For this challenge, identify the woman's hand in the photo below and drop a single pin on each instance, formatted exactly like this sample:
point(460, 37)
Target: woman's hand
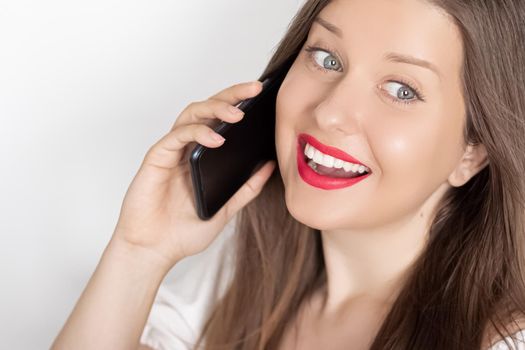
point(158, 215)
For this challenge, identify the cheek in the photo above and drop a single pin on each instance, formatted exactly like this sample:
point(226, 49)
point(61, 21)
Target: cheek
point(418, 153)
point(284, 110)
point(292, 106)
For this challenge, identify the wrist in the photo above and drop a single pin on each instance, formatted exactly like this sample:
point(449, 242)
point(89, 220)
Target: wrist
point(137, 257)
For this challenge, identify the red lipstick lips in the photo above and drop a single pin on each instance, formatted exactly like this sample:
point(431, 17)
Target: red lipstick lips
point(317, 180)
point(331, 151)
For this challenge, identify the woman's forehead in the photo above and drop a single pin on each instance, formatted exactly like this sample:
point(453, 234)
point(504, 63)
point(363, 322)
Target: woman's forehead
point(390, 30)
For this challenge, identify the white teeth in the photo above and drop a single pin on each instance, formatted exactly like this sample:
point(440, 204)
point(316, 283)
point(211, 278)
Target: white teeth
point(331, 162)
point(338, 164)
point(318, 157)
point(328, 161)
point(310, 151)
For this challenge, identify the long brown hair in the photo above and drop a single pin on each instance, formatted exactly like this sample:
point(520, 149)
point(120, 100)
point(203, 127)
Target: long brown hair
point(470, 276)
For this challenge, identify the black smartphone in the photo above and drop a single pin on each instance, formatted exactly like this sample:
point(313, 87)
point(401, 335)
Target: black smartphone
point(217, 173)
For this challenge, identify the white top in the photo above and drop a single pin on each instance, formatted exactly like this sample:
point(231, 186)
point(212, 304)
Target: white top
point(520, 335)
point(185, 298)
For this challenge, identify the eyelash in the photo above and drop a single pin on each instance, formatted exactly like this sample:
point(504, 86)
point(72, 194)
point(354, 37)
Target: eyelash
point(312, 49)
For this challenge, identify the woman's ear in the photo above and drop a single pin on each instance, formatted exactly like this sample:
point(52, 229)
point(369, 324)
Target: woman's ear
point(474, 159)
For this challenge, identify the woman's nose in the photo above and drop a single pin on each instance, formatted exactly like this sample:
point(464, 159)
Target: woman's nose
point(343, 107)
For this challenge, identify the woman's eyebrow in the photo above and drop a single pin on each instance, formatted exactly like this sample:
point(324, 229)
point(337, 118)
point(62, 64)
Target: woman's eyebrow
point(389, 56)
point(397, 57)
point(329, 26)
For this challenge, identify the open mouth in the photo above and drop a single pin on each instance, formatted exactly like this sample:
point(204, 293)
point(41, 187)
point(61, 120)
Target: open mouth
point(328, 165)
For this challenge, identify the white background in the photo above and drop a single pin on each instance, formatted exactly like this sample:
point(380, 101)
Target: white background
point(86, 87)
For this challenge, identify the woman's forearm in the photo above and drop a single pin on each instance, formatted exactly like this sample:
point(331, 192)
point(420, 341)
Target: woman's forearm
point(114, 306)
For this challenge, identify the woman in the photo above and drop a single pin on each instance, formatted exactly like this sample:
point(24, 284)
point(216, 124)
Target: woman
point(424, 251)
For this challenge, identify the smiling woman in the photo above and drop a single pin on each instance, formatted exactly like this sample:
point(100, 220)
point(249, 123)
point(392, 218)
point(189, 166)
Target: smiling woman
point(426, 251)
point(395, 219)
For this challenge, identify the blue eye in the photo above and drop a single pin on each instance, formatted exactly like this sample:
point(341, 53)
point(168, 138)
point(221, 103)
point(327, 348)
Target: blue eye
point(403, 93)
point(323, 59)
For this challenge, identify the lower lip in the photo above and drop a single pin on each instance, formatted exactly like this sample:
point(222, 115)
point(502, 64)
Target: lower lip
point(324, 182)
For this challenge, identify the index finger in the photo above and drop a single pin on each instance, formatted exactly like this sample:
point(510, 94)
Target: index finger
point(238, 92)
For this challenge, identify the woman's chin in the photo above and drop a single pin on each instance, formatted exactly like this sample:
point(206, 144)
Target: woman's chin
point(313, 216)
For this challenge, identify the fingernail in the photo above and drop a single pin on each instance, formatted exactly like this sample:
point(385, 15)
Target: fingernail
point(217, 137)
point(258, 84)
point(235, 110)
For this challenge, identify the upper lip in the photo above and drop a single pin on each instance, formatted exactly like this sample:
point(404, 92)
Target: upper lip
point(330, 150)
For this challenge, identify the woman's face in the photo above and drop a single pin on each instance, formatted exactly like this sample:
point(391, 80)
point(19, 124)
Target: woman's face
point(353, 94)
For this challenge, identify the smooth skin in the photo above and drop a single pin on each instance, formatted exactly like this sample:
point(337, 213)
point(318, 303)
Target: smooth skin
point(157, 227)
point(350, 97)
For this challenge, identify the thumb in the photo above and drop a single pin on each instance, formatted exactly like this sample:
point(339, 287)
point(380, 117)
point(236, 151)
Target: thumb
point(249, 190)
